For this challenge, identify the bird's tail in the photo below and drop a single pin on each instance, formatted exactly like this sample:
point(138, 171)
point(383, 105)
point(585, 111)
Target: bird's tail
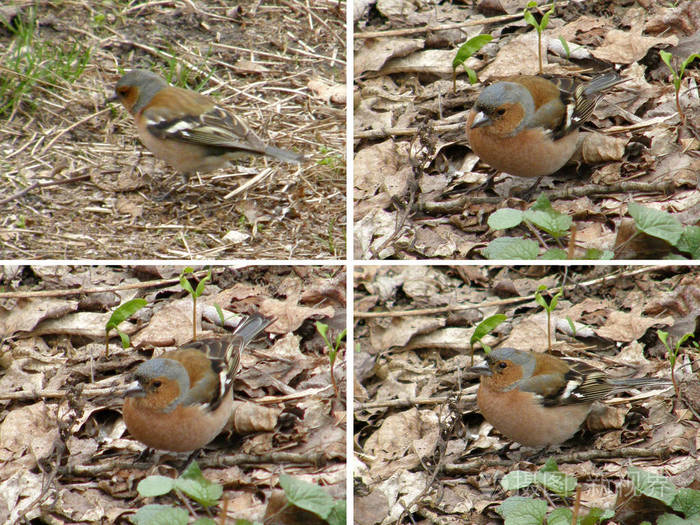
point(225, 352)
point(601, 83)
point(621, 384)
point(244, 333)
point(283, 154)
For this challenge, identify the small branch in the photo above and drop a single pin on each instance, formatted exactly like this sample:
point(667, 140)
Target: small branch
point(573, 192)
point(99, 289)
point(275, 458)
point(433, 28)
point(42, 185)
point(574, 457)
point(501, 302)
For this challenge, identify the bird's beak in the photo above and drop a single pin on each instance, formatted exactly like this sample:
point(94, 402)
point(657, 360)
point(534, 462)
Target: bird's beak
point(481, 119)
point(482, 369)
point(134, 389)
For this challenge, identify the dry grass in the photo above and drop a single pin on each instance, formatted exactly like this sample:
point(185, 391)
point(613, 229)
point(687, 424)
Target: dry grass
point(76, 183)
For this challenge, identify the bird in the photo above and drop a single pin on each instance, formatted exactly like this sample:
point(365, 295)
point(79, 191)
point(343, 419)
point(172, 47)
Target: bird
point(186, 129)
point(528, 125)
point(182, 400)
point(539, 399)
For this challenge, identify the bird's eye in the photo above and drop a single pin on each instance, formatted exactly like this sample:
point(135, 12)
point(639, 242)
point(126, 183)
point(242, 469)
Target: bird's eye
point(502, 365)
point(500, 111)
point(156, 383)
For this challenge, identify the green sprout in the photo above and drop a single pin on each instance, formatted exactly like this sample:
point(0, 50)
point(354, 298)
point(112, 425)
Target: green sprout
point(121, 314)
point(185, 284)
point(482, 329)
point(333, 348)
point(673, 354)
point(549, 308)
point(466, 50)
point(678, 77)
point(530, 19)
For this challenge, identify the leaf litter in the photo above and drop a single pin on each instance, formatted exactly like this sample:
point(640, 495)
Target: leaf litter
point(420, 443)
point(64, 448)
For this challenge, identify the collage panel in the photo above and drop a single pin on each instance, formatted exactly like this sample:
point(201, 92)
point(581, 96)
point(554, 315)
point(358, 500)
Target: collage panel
point(484, 393)
point(173, 130)
point(168, 394)
point(510, 131)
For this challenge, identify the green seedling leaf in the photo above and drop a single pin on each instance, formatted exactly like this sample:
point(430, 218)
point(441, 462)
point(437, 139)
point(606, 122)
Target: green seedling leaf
point(554, 223)
point(307, 496)
point(555, 300)
point(220, 313)
point(557, 482)
point(538, 296)
point(550, 465)
point(593, 254)
point(666, 57)
point(545, 17)
point(322, 330)
point(597, 515)
point(153, 486)
point(338, 515)
point(555, 254)
point(486, 326)
point(518, 509)
point(687, 501)
point(505, 218)
point(159, 515)
point(690, 241)
point(123, 312)
point(205, 493)
point(529, 18)
point(560, 516)
point(683, 339)
point(204, 521)
point(126, 342)
point(340, 337)
point(517, 479)
point(542, 204)
point(565, 45)
point(202, 284)
point(656, 223)
point(470, 47)
point(511, 248)
point(653, 485)
point(572, 325)
point(197, 487)
point(184, 283)
point(687, 62)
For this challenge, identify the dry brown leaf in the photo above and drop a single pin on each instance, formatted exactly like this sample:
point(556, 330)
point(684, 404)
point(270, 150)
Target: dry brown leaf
point(374, 53)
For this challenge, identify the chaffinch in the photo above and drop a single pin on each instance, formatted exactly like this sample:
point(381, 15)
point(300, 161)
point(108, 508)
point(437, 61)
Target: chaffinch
point(528, 125)
point(539, 399)
point(186, 129)
point(183, 399)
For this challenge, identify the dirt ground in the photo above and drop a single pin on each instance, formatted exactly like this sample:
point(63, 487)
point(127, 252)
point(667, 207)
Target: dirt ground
point(76, 182)
point(424, 453)
point(420, 192)
point(65, 452)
